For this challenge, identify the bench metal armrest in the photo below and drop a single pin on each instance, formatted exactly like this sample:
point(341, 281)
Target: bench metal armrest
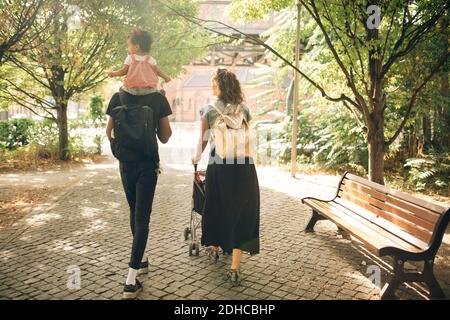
point(312, 198)
point(405, 255)
point(337, 192)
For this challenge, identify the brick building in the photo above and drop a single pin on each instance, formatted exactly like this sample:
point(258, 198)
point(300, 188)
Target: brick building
point(192, 91)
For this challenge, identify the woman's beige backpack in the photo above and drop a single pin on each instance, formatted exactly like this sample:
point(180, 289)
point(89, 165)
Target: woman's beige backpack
point(231, 133)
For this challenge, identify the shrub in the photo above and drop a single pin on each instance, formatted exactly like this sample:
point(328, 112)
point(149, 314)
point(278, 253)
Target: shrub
point(432, 171)
point(45, 139)
point(327, 136)
point(96, 111)
point(15, 133)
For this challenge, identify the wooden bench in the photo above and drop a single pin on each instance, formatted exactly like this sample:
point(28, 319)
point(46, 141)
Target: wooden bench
point(389, 223)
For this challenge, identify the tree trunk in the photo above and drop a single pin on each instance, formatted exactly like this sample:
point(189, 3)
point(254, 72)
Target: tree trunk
point(413, 148)
point(445, 109)
point(444, 84)
point(63, 132)
point(376, 161)
point(426, 123)
point(58, 81)
point(375, 134)
point(377, 149)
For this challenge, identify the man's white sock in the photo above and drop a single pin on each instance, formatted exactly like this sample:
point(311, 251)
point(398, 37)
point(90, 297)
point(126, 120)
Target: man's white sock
point(131, 279)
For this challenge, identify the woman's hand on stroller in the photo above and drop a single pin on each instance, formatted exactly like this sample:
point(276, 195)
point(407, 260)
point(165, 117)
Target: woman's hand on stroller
point(195, 159)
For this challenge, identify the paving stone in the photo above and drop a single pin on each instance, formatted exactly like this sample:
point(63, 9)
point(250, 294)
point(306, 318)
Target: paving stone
point(88, 227)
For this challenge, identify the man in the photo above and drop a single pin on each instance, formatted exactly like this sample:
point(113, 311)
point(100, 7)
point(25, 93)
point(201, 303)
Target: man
point(139, 179)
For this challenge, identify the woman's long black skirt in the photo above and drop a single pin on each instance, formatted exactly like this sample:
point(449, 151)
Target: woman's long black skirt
point(231, 213)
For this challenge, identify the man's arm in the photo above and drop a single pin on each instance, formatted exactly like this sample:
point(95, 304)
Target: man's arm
point(164, 130)
point(109, 128)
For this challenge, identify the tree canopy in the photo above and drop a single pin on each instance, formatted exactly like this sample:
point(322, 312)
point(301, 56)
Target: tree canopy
point(371, 47)
point(79, 40)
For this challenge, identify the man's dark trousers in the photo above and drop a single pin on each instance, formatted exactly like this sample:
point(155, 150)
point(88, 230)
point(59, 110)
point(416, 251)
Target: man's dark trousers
point(139, 182)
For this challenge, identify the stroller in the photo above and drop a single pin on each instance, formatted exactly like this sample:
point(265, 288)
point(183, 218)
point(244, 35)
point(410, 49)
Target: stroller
point(198, 202)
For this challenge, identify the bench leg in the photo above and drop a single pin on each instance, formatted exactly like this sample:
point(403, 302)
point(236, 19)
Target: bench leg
point(343, 233)
point(431, 282)
point(312, 222)
point(400, 276)
point(390, 288)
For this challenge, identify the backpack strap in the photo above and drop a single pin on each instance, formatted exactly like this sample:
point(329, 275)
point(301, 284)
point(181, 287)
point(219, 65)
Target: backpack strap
point(217, 109)
point(126, 98)
point(122, 97)
point(221, 113)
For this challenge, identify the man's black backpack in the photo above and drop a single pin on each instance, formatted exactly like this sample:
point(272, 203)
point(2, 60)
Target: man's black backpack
point(134, 133)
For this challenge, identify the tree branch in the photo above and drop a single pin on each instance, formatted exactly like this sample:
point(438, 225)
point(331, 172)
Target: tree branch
point(336, 30)
point(253, 40)
point(43, 103)
point(412, 37)
point(356, 116)
point(13, 96)
point(31, 73)
point(22, 31)
point(412, 100)
point(312, 9)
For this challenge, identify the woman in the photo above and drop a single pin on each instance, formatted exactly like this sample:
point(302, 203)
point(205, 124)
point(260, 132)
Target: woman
point(139, 179)
point(231, 213)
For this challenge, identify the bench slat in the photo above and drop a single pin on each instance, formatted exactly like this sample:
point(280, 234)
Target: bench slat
point(372, 235)
point(420, 212)
point(385, 228)
point(390, 212)
point(428, 204)
point(385, 224)
point(372, 241)
point(363, 188)
point(419, 233)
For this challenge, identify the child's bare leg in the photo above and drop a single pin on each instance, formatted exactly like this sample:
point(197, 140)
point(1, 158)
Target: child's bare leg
point(236, 259)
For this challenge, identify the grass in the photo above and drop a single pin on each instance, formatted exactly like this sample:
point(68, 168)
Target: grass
point(35, 157)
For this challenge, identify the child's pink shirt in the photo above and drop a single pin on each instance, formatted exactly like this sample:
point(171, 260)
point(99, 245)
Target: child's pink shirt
point(140, 73)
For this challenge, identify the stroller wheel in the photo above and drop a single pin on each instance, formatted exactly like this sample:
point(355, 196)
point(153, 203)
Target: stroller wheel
point(191, 249)
point(197, 249)
point(187, 231)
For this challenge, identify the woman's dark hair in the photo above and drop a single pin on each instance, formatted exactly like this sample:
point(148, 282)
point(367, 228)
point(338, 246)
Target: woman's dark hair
point(230, 91)
point(141, 38)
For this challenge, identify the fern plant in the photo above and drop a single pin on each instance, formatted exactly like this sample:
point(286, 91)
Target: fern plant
point(432, 171)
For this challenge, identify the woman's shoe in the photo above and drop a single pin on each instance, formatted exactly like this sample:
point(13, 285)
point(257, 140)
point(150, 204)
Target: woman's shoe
point(234, 277)
point(213, 254)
